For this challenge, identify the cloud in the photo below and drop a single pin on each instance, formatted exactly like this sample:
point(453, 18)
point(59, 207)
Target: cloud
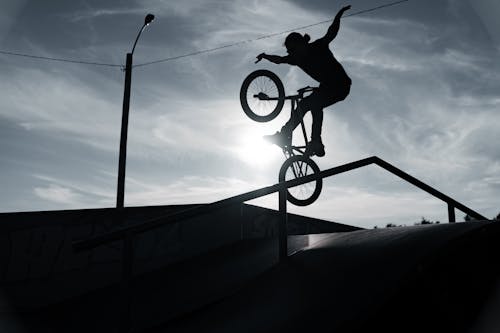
point(424, 97)
point(62, 105)
point(8, 15)
point(96, 13)
point(366, 208)
point(75, 193)
point(57, 194)
point(186, 189)
point(488, 11)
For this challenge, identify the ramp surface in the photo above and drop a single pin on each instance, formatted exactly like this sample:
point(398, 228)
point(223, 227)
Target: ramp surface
point(346, 282)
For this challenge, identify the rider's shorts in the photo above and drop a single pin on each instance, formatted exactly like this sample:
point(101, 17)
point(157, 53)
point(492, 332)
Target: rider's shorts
point(325, 95)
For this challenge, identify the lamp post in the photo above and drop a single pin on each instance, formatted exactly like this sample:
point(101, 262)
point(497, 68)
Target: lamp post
point(120, 195)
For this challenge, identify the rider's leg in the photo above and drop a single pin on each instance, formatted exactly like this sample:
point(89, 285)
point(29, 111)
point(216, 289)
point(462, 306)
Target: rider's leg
point(305, 105)
point(326, 97)
point(317, 123)
point(283, 138)
point(315, 146)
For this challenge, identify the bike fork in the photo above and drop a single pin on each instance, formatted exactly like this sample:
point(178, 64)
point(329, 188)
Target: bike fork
point(298, 111)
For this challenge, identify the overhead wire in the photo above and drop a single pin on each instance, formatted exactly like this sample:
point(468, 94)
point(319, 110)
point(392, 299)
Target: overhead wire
point(59, 59)
point(266, 36)
point(200, 51)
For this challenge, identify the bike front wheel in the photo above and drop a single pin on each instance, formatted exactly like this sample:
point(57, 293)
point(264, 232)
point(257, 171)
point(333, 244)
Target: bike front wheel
point(262, 95)
point(300, 166)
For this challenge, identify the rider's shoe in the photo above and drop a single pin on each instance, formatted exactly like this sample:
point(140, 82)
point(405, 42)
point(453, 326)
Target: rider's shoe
point(315, 147)
point(279, 139)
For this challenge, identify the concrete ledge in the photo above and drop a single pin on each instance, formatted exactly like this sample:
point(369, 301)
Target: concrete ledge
point(39, 267)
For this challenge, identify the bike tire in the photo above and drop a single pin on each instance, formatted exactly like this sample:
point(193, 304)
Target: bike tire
point(304, 164)
point(250, 87)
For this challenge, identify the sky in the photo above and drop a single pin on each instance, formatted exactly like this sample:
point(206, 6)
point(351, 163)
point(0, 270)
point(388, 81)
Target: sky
point(425, 98)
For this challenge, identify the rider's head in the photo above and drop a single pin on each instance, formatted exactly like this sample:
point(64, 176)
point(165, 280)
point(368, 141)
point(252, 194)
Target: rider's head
point(295, 41)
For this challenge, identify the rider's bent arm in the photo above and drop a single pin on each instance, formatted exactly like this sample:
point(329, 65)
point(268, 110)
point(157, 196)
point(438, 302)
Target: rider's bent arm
point(335, 26)
point(274, 58)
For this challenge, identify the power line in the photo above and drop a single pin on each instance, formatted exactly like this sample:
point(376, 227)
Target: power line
point(196, 52)
point(377, 8)
point(266, 36)
point(59, 59)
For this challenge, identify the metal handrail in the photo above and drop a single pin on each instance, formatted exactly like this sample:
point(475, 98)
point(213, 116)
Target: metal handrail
point(128, 233)
point(176, 217)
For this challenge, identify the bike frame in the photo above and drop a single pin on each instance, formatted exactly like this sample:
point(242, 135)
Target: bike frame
point(294, 100)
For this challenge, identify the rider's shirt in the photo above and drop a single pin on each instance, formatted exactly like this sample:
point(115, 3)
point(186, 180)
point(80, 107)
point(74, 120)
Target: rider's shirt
point(320, 64)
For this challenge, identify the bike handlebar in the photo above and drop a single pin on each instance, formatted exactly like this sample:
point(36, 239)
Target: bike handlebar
point(305, 89)
point(264, 97)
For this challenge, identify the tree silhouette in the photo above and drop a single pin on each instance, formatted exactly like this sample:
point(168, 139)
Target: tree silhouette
point(468, 218)
point(426, 221)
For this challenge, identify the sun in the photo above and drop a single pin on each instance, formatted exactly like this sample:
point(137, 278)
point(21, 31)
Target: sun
point(255, 151)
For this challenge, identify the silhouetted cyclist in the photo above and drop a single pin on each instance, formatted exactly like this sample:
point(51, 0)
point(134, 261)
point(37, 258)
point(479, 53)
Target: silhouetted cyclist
point(318, 62)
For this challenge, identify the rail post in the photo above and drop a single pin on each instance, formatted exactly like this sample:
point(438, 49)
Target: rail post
point(282, 227)
point(127, 281)
point(451, 213)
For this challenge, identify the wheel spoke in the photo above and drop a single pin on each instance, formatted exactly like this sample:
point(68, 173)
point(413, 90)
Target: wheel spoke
point(262, 82)
point(262, 85)
point(298, 166)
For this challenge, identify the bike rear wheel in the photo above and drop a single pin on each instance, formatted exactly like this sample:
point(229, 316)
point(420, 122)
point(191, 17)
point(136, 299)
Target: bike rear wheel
point(299, 166)
point(262, 95)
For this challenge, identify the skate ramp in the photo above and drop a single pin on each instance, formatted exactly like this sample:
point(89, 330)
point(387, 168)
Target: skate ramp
point(396, 279)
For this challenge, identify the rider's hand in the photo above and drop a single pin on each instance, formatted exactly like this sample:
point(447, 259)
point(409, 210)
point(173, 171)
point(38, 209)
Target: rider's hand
point(259, 57)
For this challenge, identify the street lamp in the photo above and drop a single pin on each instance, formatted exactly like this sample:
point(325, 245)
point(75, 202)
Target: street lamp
point(120, 195)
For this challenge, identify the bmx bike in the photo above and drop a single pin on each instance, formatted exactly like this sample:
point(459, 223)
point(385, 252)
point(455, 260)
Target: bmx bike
point(262, 98)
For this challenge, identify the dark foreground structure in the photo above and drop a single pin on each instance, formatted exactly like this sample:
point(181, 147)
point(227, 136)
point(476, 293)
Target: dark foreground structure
point(220, 273)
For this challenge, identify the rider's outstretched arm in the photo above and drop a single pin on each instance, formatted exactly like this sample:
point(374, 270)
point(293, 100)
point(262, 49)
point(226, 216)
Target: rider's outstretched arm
point(273, 58)
point(335, 26)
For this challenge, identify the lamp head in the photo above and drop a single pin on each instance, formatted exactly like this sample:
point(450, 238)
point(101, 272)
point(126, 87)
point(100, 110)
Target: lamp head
point(149, 18)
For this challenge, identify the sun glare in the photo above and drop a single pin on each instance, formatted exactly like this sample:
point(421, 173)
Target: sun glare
point(255, 151)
